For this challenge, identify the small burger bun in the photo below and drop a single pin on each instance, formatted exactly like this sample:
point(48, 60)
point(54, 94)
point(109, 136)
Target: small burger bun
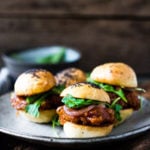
point(81, 131)
point(115, 73)
point(45, 116)
point(70, 76)
point(73, 130)
point(34, 81)
point(86, 91)
point(125, 114)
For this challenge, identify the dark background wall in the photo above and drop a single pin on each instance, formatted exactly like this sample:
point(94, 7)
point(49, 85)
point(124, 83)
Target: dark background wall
point(103, 30)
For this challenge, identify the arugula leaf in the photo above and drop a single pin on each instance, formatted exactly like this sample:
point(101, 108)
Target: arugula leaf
point(31, 99)
point(33, 109)
point(55, 121)
point(34, 103)
point(57, 89)
point(116, 107)
point(121, 94)
point(73, 102)
point(109, 88)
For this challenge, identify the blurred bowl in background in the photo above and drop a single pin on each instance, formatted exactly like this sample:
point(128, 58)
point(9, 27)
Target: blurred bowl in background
point(52, 58)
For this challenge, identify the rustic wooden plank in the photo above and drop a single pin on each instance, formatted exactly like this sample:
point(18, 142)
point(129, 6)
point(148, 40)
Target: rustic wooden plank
point(83, 7)
point(98, 40)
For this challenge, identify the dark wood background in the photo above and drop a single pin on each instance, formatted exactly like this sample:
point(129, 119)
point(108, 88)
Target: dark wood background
point(103, 30)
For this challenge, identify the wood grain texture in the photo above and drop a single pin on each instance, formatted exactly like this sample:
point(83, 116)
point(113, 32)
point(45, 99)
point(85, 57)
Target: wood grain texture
point(98, 40)
point(82, 7)
point(103, 30)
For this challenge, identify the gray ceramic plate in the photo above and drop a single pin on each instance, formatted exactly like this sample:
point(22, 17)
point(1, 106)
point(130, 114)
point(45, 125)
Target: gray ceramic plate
point(12, 124)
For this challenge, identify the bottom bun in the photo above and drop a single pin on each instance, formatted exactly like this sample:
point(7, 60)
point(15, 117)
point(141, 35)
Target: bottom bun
point(45, 116)
point(125, 114)
point(81, 131)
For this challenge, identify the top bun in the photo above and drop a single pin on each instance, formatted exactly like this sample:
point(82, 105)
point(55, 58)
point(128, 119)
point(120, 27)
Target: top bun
point(70, 76)
point(34, 81)
point(86, 91)
point(118, 74)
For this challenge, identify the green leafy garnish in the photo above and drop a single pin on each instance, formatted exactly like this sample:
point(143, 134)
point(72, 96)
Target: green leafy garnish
point(55, 121)
point(116, 107)
point(73, 102)
point(31, 99)
point(34, 103)
point(53, 58)
point(57, 89)
point(109, 88)
point(33, 109)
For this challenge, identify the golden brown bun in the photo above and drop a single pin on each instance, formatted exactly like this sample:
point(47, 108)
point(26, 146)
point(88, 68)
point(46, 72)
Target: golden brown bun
point(81, 131)
point(34, 81)
point(86, 91)
point(70, 76)
point(119, 74)
point(44, 117)
point(125, 114)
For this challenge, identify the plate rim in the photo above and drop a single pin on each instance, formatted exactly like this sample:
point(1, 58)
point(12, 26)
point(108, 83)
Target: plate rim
point(58, 139)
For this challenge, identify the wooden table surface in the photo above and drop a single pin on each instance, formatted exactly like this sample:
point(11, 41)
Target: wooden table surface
point(140, 142)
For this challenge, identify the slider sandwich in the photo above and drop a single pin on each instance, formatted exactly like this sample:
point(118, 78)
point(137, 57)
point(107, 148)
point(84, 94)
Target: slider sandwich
point(119, 80)
point(86, 111)
point(35, 95)
point(70, 76)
